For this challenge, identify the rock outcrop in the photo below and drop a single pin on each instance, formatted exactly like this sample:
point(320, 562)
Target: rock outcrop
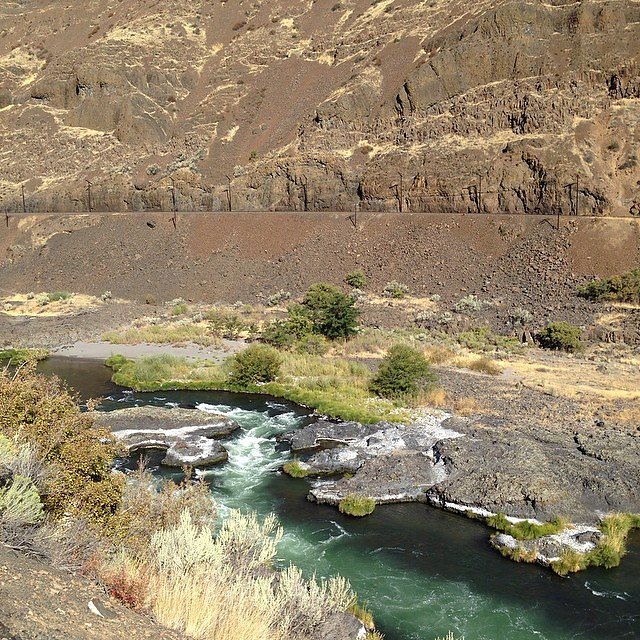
point(188, 436)
point(484, 465)
point(496, 105)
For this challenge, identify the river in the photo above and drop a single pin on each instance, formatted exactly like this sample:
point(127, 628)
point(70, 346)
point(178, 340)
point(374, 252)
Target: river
point(422, 571)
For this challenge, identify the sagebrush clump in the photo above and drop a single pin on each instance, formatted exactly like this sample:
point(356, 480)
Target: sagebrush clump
point(42, 412)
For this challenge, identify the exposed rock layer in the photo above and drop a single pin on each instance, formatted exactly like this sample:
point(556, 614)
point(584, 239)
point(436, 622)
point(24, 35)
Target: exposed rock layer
point(488, 106)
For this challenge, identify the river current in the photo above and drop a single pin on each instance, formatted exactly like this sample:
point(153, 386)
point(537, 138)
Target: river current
point(422, 571)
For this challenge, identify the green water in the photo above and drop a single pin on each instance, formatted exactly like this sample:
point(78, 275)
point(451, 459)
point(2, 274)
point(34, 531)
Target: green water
point(424, 572)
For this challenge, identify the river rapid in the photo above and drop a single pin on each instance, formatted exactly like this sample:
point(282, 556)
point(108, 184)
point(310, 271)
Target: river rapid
point(422, 571)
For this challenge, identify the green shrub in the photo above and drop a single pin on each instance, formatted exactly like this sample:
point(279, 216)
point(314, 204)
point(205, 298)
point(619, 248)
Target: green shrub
point(469, 304)
point(622, 288)
point(285, 333)
point(561, 336)
point(20, 356)
point(357, 505)
point(56, 296)
point(179, 309)
point(20, 503)
point(395, 289)
point(483, 339)
point(40, 411)
point(404, 372)
point(116, 362)
point(332, 313)
point(225, 324)
point(356, 279)
point(256, 364)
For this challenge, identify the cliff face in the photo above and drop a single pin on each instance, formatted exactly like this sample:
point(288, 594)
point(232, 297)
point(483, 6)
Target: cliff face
point(314, 105)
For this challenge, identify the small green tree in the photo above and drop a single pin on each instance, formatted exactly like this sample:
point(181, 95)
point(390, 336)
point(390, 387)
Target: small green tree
point(561, 336)
point(403, 373)
point(332, 313)
point(285, 333)
point(258, 363)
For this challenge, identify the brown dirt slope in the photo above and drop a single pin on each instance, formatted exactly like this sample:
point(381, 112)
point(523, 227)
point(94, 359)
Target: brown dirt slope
point(38, 601)
point(321, 105)
point(510, 262)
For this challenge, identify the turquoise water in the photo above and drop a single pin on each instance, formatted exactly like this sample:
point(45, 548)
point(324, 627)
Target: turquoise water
point(424, 572)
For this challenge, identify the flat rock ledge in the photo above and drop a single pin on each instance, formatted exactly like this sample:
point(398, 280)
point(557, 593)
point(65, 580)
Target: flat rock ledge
point(385, 461)
point(188, 436)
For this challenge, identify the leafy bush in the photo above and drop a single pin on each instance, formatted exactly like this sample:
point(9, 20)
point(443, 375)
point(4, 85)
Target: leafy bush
point(278, 298)
point(622, 288)
point(404, 372)
point(561, 336)
point(225, 324)
point(357, 505)
point(483, 339)
point(20, 356)
point(258, 363)
point(41, 411)
point(285, 333)
point(356, 279)
point(395, 289)
point(332, 313)
point(179, 309)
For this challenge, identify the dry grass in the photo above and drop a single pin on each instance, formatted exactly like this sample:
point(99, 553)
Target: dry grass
point(435, 397)
point(485, 365)
point(39, 305)
point(170, 333)
point(579, 379)
point(467, 406)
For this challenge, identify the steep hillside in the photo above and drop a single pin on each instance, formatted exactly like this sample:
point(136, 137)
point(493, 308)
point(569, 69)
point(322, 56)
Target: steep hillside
point(321, 105)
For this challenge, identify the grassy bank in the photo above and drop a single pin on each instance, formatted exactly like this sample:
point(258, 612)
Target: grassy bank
point(336, 387)
point(20, 356)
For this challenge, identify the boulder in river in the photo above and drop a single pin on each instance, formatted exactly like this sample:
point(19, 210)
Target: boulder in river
point(189, 436)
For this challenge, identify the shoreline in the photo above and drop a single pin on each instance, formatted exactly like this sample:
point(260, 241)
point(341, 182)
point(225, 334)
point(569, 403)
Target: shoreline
point(102, 350)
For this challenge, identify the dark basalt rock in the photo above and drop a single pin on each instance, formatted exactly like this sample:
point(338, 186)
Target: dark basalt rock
point(212, 425)
point(188, 436)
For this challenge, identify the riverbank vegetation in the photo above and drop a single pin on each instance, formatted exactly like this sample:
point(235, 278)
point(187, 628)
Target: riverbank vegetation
point(610, 545)
point(154, 545)
point(17, 357)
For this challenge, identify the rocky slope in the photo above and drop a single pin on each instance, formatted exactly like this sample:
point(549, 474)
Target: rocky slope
point(493, 105)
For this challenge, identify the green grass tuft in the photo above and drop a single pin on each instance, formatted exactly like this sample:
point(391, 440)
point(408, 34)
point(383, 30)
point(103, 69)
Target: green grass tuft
point(356, 505)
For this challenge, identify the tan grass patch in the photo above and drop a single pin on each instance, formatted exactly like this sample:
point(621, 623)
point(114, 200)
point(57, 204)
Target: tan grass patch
point(23, 306)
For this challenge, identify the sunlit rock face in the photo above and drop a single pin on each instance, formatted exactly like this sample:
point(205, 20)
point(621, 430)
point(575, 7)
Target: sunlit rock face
point(398, 104)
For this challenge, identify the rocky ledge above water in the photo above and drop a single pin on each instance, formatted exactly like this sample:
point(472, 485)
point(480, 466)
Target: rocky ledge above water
point(188, 436)
point(385, 461)
point(484, 465)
